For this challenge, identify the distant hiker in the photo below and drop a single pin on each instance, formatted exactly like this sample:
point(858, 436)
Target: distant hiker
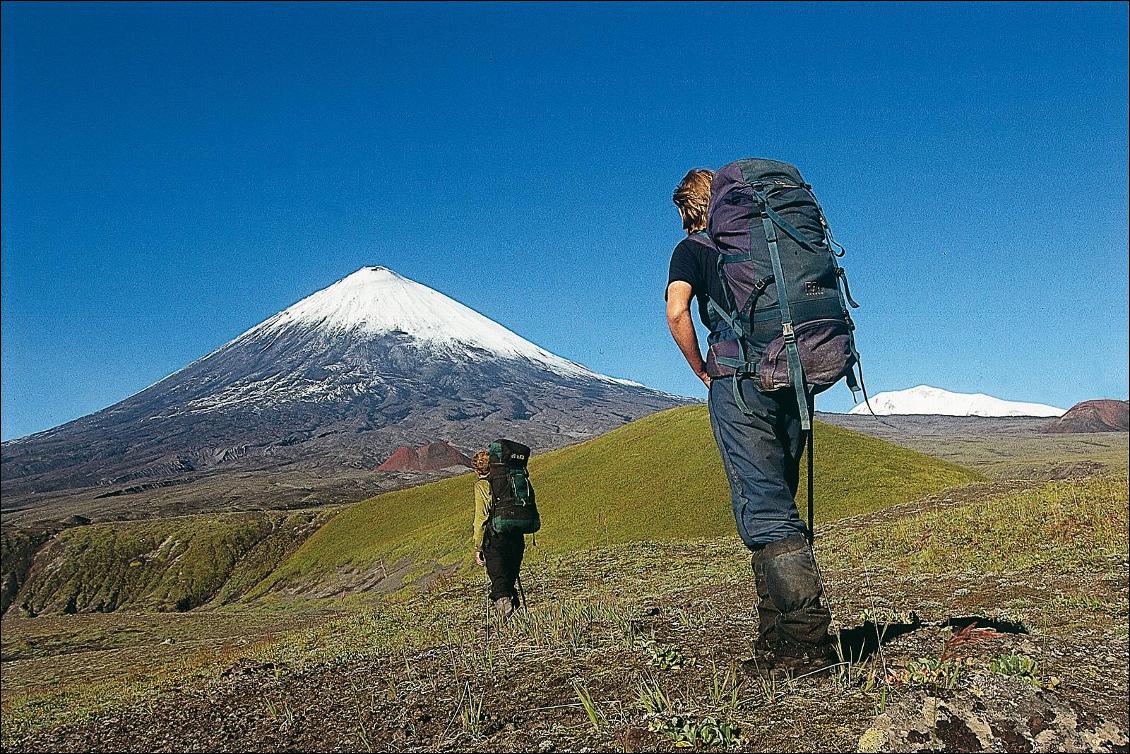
point(763, 354)
point(505, 511)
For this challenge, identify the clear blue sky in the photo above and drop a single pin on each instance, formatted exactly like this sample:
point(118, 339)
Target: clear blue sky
point(173, 175)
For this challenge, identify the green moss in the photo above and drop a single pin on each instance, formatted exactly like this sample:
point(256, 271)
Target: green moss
point(659, 478)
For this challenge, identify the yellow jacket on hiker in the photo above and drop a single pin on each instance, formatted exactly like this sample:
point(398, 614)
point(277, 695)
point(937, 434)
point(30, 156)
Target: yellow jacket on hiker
point(482, 508)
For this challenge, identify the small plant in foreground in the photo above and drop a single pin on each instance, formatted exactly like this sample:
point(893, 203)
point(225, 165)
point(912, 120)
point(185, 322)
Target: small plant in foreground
point(686, 733)
point(724, 687)
point(769, 688)
point(943, 673)
point(282, 715)
point(666, 656)
point(363, 733)
point(592, 709)
point(965, 641)
point(1017, 666)
point(653, 699)
point(471, 712)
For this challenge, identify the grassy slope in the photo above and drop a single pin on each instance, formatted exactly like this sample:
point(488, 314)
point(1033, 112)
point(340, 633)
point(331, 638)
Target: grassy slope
point(1033, 531)
point(164, 564)
point(658, 478)
point(17, 549)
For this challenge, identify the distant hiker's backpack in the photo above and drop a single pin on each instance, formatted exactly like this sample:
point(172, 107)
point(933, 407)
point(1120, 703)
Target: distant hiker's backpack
point(784, 306)
point(512, 496)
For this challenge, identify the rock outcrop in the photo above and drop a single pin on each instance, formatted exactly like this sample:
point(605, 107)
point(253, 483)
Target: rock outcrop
point(1008, 715)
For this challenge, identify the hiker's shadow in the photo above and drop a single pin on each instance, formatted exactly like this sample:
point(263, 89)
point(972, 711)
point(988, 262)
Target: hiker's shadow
point(860, 642)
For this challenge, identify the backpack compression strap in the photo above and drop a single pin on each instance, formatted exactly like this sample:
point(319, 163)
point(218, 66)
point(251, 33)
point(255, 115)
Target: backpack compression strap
point(856, 386)
point(741, 365)
point(795, 369)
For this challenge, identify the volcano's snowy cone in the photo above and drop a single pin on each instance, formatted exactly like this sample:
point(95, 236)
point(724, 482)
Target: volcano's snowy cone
point(337, 381)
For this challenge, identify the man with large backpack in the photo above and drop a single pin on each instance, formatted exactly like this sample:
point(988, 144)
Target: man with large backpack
point(505, 511)
point(761, 263)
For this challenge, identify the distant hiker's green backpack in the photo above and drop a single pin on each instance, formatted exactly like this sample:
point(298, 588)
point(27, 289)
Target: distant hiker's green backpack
point(512, 496)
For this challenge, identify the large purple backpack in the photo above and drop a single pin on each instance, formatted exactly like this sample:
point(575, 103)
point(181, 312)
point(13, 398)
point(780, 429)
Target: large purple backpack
point(784, 308)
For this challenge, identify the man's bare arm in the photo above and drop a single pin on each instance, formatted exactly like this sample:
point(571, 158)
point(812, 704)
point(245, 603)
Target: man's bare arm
point(679, 295)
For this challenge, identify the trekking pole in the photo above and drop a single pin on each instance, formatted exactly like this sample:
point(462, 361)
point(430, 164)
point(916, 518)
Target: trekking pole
point(811, 476)
point(522, 592)
point(486, 611)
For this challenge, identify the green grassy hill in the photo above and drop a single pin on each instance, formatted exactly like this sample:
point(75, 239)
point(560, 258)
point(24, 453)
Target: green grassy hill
point(171, 564)
point(659, 478)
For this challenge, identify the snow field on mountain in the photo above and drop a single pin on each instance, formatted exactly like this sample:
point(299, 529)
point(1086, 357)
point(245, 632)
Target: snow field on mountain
point(377, 301)
point(931, 400)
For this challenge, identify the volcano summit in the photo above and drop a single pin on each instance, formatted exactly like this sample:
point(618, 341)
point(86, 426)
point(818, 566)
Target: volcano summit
point(301, 408)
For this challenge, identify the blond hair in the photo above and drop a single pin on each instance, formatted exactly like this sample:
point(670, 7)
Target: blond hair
point(692, 197)
point(481, 463)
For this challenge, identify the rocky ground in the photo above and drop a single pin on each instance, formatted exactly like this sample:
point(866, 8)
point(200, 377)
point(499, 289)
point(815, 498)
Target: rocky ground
point(985, 647)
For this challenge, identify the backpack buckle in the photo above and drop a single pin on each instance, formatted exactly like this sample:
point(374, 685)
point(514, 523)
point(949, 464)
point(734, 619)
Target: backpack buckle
point(787, 332)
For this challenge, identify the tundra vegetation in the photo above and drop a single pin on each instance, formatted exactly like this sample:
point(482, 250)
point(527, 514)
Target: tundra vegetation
point(639, 618)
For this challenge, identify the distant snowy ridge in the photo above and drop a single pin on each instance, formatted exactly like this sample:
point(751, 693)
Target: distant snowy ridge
point(931, 400)
point(377, 301)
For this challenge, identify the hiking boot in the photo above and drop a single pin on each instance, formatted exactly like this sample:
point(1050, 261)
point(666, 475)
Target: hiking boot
point(785, 668)
point(793, 621)
point(504, 608)
point(789, 662)
point(802, 660)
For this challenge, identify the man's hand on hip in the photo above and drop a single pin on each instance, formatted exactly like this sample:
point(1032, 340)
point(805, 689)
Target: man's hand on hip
point(703, 375)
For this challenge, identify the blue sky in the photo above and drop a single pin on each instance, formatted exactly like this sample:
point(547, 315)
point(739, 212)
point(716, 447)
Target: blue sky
point(173, 175)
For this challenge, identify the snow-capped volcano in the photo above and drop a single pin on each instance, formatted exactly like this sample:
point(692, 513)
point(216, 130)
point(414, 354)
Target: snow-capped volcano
point(335, 382)
point(375, 305)
point(931, 400)
point(376, 301)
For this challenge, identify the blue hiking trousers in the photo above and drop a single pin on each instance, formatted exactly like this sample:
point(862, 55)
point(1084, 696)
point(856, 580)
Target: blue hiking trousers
point(761, 454)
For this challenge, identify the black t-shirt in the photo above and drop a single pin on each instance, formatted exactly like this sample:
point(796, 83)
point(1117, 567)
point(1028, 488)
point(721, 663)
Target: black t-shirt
point(695, 261)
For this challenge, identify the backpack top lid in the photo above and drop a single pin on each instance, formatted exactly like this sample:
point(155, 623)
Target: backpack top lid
point(731, 198)
point(751, 170)
point(509, 452)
